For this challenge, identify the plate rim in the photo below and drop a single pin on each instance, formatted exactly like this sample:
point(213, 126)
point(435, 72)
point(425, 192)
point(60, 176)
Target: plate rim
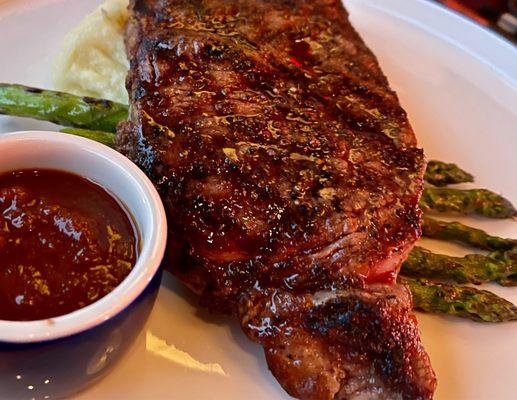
point(479, 42)
point(429, 29)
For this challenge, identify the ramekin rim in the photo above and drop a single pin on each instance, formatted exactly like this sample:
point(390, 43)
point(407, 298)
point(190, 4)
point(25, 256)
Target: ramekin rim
point(146, 267)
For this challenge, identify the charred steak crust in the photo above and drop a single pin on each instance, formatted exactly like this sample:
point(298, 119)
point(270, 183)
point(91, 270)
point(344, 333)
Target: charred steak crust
point(283, 157)
point(341, 345)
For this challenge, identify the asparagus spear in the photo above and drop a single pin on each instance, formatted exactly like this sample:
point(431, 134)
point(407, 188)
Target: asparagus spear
point(508, 258)
point(61, 108)
point(498, 266)
point(456, 231)
point(462, 301)
point(474, 201)
point(439, 173)
point(99, 136)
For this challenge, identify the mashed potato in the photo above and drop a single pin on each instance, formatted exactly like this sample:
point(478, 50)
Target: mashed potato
point(92, 60)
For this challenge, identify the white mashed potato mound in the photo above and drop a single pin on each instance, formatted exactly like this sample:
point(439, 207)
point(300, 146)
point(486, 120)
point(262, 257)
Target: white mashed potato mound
point(92, 60)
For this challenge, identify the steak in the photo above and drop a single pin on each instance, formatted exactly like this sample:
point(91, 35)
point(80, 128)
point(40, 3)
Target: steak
point(291, 179)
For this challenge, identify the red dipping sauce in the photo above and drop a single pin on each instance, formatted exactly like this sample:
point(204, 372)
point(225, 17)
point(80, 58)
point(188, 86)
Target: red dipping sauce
point(65, 242)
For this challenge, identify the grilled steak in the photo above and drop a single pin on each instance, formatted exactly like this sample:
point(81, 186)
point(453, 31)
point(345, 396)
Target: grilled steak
point(290, 174)
point(344, 344)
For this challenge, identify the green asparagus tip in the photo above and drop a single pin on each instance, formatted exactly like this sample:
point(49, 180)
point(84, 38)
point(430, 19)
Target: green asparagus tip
point(498, 266)
point(439, 173)
point(435, 229)
point(475, 201)
point(461, 301)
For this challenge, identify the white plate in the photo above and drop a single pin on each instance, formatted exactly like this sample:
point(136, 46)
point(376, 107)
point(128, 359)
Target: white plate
point(459, 85)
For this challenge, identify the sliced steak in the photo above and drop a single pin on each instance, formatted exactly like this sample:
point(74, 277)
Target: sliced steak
point(283, 157)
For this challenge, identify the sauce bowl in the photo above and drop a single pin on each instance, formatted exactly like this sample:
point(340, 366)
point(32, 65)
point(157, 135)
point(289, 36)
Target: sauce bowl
point(52, 358)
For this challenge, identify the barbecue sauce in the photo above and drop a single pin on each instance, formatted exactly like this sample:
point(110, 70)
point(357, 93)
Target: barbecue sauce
point(64, 243)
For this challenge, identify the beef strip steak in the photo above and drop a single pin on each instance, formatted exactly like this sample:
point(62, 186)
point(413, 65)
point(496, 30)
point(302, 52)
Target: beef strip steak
point(345, 344)
point(287, 167)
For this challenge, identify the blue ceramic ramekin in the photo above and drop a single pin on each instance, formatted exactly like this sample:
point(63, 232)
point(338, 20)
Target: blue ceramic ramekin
point(53, 358)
